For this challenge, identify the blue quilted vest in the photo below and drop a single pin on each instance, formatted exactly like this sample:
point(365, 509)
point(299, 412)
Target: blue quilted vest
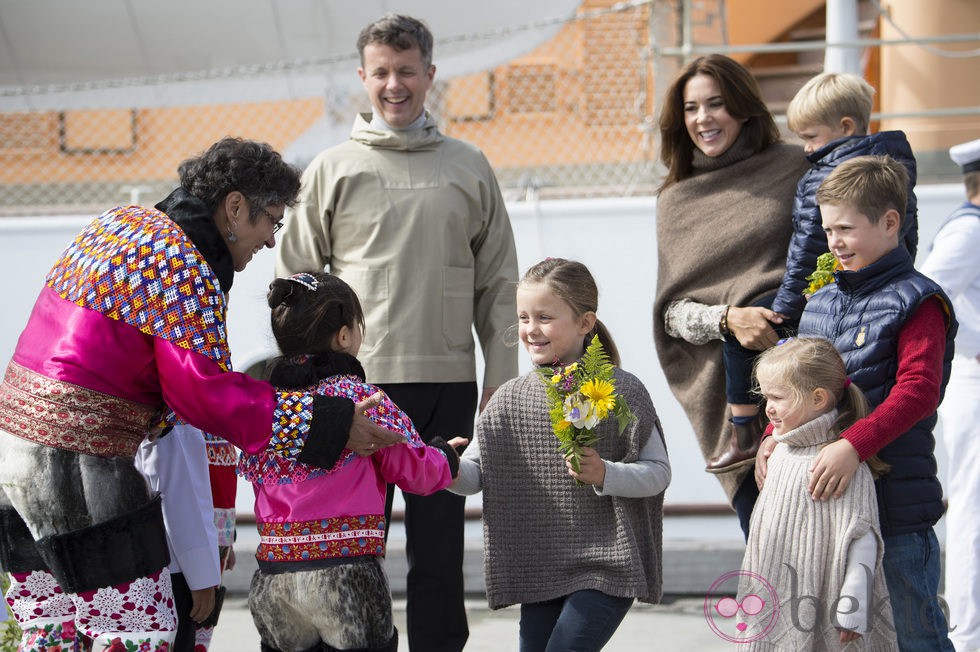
point(862, 315)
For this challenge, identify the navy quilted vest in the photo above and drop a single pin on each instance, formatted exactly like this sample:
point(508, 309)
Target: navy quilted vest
point(862, 315)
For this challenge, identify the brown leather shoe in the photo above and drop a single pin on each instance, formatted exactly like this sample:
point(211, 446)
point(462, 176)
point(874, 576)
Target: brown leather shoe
point(743, 444)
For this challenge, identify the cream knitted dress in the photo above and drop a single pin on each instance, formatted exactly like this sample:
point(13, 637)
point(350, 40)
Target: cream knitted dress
point(799, 546)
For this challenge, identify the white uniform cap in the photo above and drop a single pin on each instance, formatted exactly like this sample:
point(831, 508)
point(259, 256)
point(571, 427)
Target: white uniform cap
point(966, 155)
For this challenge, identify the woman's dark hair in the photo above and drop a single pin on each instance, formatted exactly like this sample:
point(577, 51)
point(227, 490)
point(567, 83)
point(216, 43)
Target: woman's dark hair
point(308, 309)
point(252, 168)
point(743, 101)
point(572, 282)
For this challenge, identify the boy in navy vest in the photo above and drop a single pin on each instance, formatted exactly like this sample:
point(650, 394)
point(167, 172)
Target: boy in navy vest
point(894, 327)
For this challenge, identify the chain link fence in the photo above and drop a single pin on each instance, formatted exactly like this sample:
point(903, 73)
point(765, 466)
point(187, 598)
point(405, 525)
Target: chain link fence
point(573, 117)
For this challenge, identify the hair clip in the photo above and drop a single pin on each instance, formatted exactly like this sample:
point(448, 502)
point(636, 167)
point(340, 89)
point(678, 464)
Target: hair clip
point(847, 382)
point(305, 279)
point(784, 340)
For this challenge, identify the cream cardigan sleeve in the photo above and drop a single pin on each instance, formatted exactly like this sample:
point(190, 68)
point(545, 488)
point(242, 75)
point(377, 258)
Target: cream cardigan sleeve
point(693, 322)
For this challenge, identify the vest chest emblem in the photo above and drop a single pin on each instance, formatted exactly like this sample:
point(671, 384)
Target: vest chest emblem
point(861, 336)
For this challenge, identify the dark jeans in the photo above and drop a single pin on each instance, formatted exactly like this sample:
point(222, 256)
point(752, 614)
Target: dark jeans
point(183, 602)
point(744, 501)
point(435, 614)
point(581, 622)
point(739, 361)
point(911, 566)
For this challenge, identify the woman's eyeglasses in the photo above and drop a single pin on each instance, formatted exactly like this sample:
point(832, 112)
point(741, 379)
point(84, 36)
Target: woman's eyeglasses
point(276, 223)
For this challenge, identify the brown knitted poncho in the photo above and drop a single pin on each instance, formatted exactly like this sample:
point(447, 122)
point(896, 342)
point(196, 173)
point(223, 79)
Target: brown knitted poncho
point(722, 237)
point(544, 535)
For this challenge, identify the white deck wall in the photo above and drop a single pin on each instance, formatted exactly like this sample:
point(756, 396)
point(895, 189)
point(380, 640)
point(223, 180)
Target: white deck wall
point(614, 237)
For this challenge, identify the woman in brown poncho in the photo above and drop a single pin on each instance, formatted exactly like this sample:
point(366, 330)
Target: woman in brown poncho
point(724, 219)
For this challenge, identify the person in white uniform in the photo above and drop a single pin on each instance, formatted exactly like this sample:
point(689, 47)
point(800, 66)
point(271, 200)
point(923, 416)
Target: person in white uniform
point(953, 263)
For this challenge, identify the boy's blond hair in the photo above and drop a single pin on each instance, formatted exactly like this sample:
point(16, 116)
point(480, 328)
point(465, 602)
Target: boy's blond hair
point(830, 97)
point(871, 184)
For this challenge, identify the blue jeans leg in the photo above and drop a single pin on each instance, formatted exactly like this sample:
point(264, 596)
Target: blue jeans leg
point(744, 501)
point(911, 565)
point(581, 622)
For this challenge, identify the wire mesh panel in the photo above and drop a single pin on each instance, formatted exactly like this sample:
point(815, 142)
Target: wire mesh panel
point(572, 117)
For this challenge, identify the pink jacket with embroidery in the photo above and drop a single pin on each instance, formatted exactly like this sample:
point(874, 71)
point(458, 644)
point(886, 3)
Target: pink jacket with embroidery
point(308, 514)
point(132, 310)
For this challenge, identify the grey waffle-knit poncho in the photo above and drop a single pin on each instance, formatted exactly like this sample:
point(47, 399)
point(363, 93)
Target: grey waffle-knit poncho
point(799, 545)
point(545, 536)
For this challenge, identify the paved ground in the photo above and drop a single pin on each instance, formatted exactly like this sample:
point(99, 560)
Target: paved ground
point(696, 553)
point(677, 626)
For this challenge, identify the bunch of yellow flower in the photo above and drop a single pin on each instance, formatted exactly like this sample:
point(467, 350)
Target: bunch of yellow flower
point(827, 264)
point(580, 395)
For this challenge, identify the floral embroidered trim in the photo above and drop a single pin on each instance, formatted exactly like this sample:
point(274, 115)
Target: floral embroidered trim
point(344, 536)
point(62, 415)
point(51, 637)
point(35, 599)
point(224, 521)
point(141, 609)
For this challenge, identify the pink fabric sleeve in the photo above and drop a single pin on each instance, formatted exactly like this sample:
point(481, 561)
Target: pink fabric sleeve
point(229, 404)
point(423, 470)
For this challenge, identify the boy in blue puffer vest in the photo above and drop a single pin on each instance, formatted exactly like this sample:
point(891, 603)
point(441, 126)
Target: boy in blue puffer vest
point(894, 328)
point(830, 114)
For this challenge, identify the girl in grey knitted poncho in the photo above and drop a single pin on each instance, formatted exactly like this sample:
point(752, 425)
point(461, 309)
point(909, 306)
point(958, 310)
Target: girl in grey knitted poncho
point(574, 556)
point(812, 577)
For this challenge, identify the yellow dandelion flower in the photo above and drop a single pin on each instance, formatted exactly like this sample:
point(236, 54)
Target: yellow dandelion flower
point(600, 393)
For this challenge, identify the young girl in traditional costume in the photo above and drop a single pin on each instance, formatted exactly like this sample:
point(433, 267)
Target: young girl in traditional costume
point(574, 548)
point(821, 559)
point(320, 580)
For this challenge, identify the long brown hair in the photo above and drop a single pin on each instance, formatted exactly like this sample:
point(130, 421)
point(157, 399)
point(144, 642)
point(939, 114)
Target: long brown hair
point(743, 101)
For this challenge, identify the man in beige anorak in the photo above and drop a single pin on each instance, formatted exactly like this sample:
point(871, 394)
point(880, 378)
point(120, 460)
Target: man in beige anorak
point(414, 221)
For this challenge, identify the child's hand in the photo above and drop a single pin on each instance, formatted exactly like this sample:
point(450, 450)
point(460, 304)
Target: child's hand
point(766, 448)
point(202, 603)
point(848, 635)
point(833, 469)
point(592, 470)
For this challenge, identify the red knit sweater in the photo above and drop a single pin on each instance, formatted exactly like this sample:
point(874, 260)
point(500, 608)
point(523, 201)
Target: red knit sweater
point(921, 348)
